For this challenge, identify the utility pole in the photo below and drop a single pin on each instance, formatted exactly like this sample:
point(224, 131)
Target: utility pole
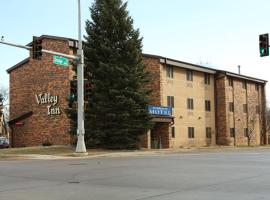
point(80, 148)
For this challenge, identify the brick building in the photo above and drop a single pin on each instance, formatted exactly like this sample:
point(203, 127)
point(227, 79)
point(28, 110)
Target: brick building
point(208, 106)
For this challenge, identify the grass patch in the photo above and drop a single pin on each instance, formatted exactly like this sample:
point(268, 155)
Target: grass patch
point(58, 151)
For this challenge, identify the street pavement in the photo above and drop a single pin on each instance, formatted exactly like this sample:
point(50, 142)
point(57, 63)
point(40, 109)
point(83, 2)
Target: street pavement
point(239, 175)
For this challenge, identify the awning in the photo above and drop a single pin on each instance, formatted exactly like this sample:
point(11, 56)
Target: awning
point(21, 117)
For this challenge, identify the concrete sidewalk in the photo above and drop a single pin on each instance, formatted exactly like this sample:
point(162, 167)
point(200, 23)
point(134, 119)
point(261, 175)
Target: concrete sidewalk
point(143, 152)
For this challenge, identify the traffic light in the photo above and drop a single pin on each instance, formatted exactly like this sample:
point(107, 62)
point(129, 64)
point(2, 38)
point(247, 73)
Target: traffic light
point(264, 44)
point(1, 101)
point(73, 93)
point(37, 48)
point(87, 90)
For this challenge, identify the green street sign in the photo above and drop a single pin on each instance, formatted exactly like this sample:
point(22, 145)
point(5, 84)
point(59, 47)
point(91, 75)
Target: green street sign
point(58, 60)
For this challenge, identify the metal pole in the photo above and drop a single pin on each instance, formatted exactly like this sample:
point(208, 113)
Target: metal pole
point(16, 45)
point(80, 148)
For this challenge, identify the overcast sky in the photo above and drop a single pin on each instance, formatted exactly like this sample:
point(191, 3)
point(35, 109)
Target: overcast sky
point(220, 34)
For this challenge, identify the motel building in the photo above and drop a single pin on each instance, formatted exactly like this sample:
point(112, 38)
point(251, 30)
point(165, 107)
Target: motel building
point(191, 105)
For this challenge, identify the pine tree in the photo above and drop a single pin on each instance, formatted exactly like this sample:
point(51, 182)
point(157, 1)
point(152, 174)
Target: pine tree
point(117, 113)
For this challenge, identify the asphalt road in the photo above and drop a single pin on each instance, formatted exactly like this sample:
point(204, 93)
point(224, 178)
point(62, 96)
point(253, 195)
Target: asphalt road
point(203, 176)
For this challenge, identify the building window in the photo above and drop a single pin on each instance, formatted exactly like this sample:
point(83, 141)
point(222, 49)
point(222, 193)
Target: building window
point(173, 132)
point(257, 109)
point(190, 132)
point(257, 87)
point(170, 101)
point(232, 132)
point(189, 75)
point(245, 108)
point(231, 107)
point(190, 104)
point(244, 85)
point(207, 105)
point(206, 78)
point(245, 132)
point(230, 81)
point(208, 132)
point(169, 70)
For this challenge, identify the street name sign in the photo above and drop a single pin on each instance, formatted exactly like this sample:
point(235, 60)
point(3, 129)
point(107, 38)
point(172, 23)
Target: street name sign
point(58, 60)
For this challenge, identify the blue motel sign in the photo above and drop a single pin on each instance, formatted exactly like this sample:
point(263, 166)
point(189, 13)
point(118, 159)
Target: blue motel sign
point(160, 110)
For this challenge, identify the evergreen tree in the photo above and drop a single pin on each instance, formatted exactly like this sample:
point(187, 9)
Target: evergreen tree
point(117, 114)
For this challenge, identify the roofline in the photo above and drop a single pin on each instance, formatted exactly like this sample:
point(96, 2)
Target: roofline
point(18, 65)
point(54, 38)
point(178, 63)
point(195, 67)
point(241, 76)
point(182, 64)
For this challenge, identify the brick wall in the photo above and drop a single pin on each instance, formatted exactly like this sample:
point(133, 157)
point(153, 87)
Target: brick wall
point(153, 67)
point(39, 77)
point(221, 108)
point(238, 119)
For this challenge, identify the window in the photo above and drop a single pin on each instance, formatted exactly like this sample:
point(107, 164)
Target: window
point(207, 105)
point(244, 85)
point(169, 70)
point(232, 132)
point(208, 132)
point(257, 87)
point(230, 81)
point(189, 75)
point(231, 107)
point(245, 132)
point(173, 132)
point(190, 104)
point(190, 132)
point(170, 101)
point(207, 78)
point(257, 109)
point(245, 108)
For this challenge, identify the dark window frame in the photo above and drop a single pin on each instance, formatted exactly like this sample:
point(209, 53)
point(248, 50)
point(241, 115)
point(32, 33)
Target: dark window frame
point(169, 71)
point(245, 132)
point(207, 105)
point(190, 104)
point(256, 86)
point(173, 131)
point(170, 101)
point(208, 131)
point(207, 78)
point(232, 132)
point(244, 85)
point(245, 108)
point(189, 75)
point(257, 109)
point(191, 132)
point(230, 79)
point(231, 106)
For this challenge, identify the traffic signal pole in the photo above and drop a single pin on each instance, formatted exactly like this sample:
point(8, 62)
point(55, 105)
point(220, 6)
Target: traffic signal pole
point(80, 148)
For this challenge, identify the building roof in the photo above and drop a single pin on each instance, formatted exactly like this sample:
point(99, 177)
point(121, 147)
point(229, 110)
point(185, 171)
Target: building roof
point(162, 59)
point(202, 68)
point(18, 65)
point(53, 37)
